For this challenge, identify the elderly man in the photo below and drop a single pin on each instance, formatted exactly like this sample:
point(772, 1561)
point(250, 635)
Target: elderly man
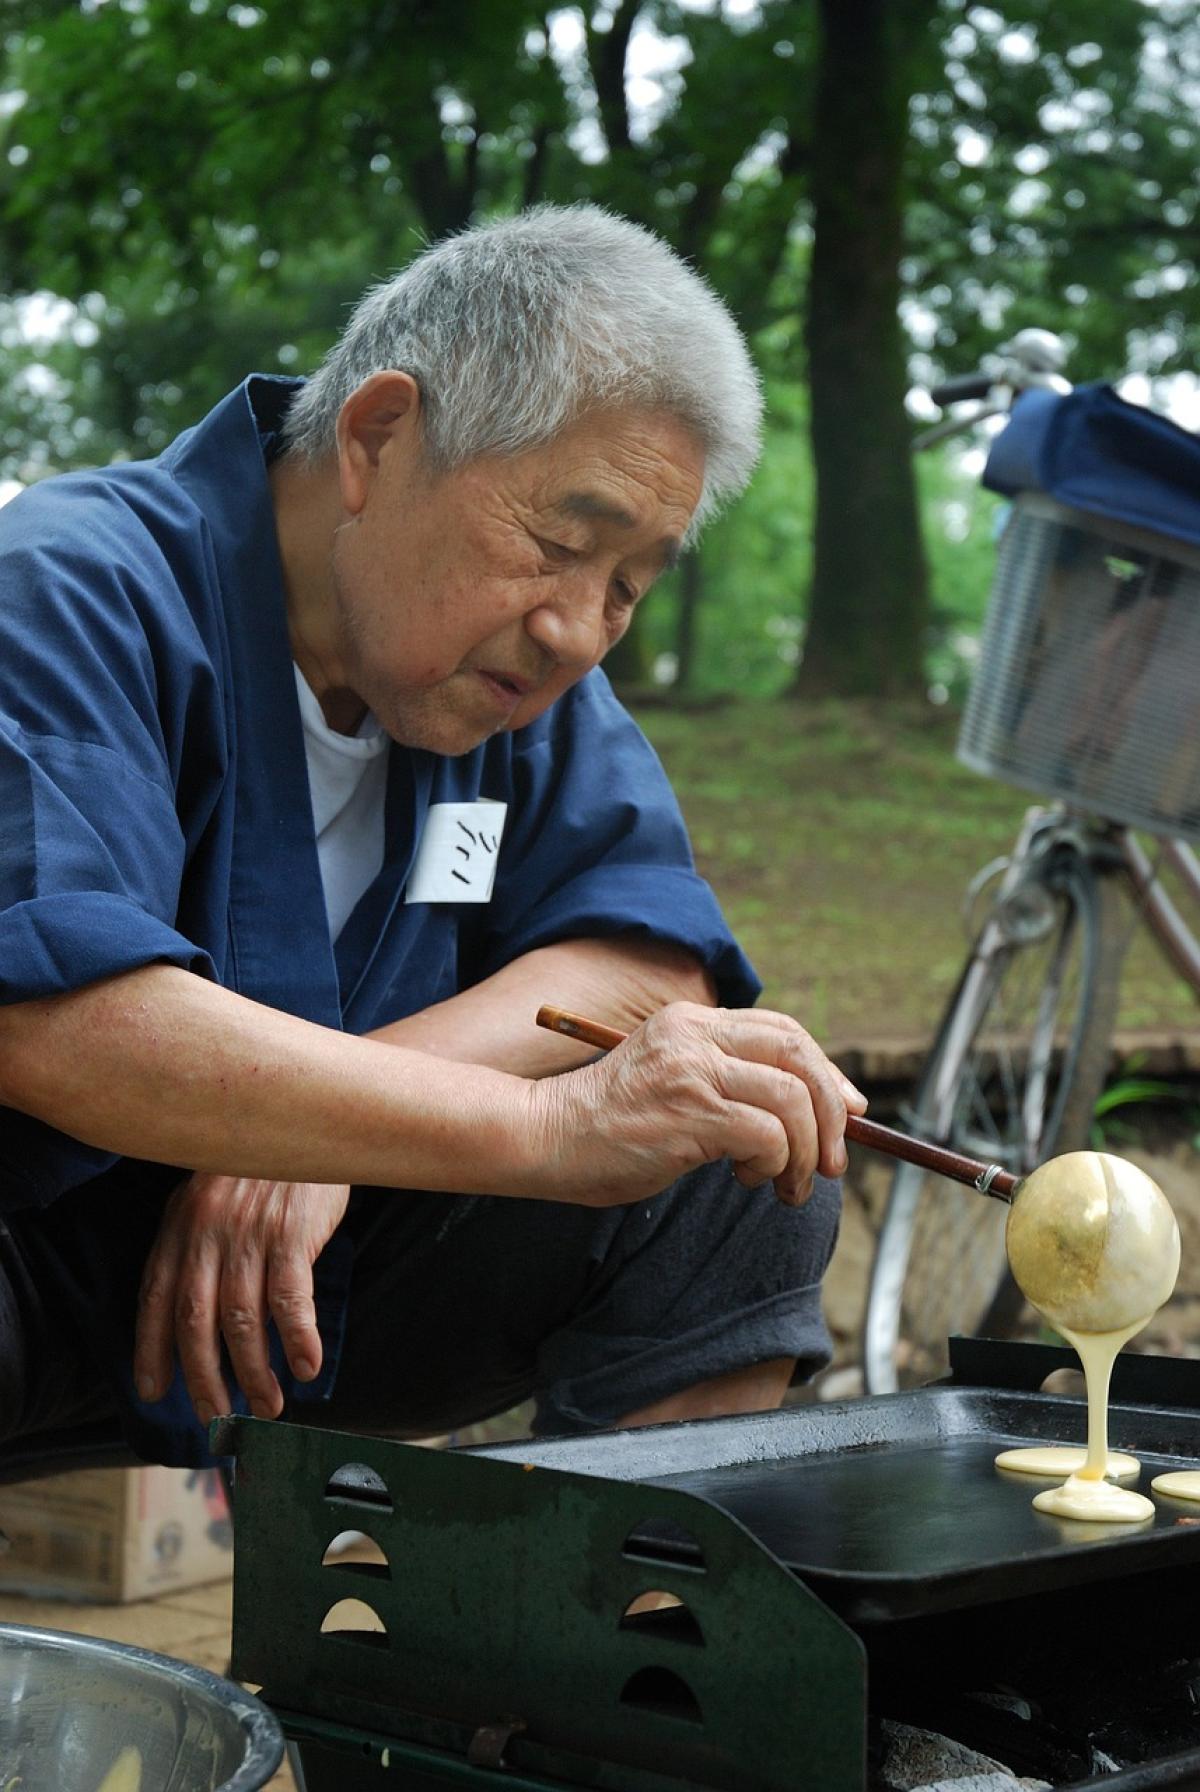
point(310, 793)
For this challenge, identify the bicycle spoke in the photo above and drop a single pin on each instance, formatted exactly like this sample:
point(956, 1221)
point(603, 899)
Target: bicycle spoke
point(1018, 1064)
point(1043, 1039)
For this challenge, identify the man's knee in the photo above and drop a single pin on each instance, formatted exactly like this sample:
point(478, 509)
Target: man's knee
point(759, 1387)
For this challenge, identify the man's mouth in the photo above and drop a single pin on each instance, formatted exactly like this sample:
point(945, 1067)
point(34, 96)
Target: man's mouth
point(505, 685)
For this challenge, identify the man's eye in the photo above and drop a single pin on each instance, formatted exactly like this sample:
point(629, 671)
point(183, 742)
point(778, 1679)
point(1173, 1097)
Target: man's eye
point(625, 592)
point(556, 550)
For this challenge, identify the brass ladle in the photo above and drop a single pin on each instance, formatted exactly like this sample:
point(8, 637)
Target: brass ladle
point(1092, 1241)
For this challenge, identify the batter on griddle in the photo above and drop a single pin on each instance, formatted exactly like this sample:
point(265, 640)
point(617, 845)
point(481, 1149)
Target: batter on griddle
point(1061, 1460)
point(1093, 1244)
point(1179, 1483)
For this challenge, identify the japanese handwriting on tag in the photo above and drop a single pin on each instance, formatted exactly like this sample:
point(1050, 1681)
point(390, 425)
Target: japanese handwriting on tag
point(457, 855)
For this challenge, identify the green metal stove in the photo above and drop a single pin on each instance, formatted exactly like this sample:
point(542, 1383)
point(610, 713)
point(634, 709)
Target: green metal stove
point(831, 1571)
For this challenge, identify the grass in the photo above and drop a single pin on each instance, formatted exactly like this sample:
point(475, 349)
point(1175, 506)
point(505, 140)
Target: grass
point(840, 838)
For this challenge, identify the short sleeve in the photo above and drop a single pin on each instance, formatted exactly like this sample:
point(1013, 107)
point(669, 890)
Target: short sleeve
point(91, 857)
point(595, 846)
point(92, 849)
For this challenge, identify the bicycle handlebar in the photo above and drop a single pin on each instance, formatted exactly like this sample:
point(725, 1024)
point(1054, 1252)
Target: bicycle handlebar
point(1032, 358)
point(961, 385)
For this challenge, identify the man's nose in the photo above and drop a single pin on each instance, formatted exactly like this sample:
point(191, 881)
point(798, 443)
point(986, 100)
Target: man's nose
point(570, 626)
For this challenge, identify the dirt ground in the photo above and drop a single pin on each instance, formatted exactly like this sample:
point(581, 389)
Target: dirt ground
point(840, 839)
point(1168, 1152)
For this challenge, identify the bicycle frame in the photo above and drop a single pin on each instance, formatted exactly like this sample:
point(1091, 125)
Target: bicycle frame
point(1025, 1044)
point(1166, 923)
point(1042, 832)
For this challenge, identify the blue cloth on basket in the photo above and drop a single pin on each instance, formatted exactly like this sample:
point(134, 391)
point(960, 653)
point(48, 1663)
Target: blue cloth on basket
point(1093, 450)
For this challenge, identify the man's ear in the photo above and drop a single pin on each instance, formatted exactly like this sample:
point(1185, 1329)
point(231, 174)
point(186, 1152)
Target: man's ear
point(384, 410)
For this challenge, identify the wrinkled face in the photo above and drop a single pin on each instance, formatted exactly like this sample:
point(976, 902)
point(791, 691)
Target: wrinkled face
point(467, 602)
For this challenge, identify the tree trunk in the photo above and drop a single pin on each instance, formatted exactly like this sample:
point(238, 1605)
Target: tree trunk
point(869, 602)
point(628, 663)
point(691, 590)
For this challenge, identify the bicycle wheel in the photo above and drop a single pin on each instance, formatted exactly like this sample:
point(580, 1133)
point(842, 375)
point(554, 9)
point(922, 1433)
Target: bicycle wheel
point(1013, 1077)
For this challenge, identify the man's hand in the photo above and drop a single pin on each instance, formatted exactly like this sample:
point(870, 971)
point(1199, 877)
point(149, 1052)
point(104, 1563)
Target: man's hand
point(230, 1254)
point(691, 1085)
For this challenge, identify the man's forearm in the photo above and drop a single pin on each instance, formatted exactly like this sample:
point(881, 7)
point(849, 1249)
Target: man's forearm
point(161, 1064)
point(619, 981)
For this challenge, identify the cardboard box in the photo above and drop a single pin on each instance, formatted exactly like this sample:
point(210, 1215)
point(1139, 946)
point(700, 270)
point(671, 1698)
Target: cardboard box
point(115, 1534)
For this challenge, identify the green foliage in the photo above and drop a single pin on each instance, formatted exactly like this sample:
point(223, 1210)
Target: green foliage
point(211, 182)
point(229, 177)
point(1132, 1090)
point(755, 559)
point(1054, 180)
point(961, 522)
point(839, 838)
point(753, 562)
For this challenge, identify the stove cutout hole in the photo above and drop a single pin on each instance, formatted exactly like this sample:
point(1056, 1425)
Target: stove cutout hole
point(354, 1484)
point(358, 1553)
point(664, 1617)
point(663, 1694)
point(354, 1621)
point(658, 1540)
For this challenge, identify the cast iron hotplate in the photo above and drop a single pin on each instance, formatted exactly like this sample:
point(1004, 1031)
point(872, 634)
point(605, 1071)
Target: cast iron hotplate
point(889, 1507)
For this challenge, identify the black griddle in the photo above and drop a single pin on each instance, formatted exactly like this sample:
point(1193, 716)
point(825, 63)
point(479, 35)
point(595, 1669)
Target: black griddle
point(891, 1507)
point(803, 1630)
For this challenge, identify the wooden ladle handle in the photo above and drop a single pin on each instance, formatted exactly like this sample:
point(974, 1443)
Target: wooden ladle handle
point(987, 1179)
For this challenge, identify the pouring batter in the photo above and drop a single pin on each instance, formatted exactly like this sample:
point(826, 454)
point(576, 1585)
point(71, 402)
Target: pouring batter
point(1094, 1246)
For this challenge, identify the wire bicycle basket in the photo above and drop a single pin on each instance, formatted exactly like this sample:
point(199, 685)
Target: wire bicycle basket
point(1088, 681)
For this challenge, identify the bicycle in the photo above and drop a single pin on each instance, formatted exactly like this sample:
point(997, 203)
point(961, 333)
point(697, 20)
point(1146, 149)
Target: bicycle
point(1085, 692)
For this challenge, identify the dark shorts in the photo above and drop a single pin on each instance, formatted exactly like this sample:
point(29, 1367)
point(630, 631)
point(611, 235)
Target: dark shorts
point(462, 1307)
point(49, 1380)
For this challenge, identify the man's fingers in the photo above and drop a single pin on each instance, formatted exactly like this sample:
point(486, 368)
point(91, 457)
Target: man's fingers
point(242, 1308)
point(790, 1049)
point(852, 1095)
point(812, 1068)
point(197, 1330)
point(783, 1024)
point(154, 1339)
point(771, 1128)
point(231, 1254)
point(290, 1297)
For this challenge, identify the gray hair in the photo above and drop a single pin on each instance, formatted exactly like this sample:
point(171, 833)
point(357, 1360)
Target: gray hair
point(515, 328)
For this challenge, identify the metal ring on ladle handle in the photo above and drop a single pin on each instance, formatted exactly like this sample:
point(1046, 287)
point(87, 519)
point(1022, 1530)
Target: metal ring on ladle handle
point(984, 1181)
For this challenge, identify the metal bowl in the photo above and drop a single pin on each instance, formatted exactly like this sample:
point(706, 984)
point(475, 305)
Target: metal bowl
point(76, 1711)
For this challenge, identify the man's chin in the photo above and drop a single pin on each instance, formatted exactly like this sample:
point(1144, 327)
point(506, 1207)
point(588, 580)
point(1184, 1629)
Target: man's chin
point(448, 740)
point(452, 734)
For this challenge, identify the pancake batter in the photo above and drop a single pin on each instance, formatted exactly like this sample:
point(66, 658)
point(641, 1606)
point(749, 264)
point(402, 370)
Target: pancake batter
point(1093, 1245)
point(1086, 1494)
point(1057, 1461)
point(1179, 1483)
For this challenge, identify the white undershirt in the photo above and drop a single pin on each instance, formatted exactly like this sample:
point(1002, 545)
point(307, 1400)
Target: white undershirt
point(347, 779)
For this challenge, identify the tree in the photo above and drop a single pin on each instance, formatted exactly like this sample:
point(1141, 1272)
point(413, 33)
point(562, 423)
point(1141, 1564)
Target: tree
point(1054, 177)
point(206, 236)
point(868, 561)
point(995, 166)
point(227, 175)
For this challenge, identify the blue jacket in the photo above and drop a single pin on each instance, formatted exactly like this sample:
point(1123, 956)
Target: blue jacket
point(154, 808)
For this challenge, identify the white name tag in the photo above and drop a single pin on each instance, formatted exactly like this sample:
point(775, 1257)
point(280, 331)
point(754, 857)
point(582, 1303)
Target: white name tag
point(456, 859)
